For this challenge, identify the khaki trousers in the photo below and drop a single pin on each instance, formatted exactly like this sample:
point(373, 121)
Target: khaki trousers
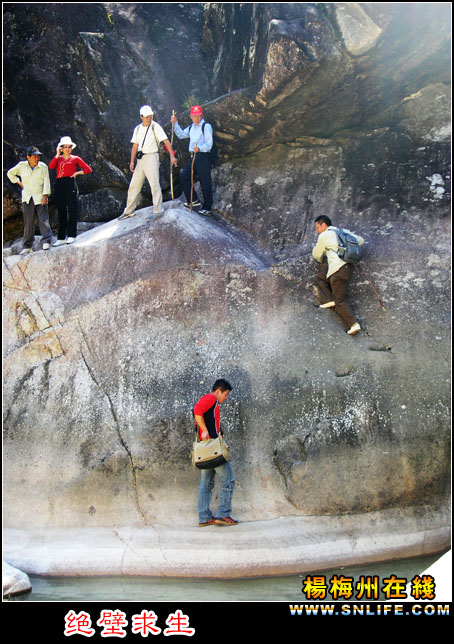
point(146, 168)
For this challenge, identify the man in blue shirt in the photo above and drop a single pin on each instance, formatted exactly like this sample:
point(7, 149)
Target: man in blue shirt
point(200, 135)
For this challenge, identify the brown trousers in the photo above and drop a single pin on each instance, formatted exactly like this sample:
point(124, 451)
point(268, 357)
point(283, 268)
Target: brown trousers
point(334, 288)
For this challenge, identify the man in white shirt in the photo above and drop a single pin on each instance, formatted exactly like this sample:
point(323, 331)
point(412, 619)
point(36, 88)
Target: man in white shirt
point(145, 150)
point(334, 274)
point(33, 177)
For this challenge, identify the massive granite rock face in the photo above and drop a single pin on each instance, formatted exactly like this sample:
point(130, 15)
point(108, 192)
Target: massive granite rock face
point(340, 109)
point(110, 341)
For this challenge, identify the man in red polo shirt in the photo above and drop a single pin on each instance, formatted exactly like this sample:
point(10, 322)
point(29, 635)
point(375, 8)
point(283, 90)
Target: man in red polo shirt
point(207, 418)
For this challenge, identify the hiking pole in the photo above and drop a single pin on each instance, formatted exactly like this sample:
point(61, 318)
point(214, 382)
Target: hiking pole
point(373, 287)
point(192, 174)
point(171, 145)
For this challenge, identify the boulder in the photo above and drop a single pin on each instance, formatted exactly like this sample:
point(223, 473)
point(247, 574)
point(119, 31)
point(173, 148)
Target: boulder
point(110, 341)
point(15, 581)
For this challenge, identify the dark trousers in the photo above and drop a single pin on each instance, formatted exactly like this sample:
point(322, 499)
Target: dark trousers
point(29, 210)
point(334, 288)
point(65, 194)
point(202, 171)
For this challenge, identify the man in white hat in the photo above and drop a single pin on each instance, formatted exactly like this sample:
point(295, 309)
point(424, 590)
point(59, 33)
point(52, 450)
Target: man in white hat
point(33, 177)
point(145, 161)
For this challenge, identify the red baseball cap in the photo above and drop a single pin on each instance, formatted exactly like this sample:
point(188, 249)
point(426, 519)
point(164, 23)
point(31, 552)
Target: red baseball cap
point(196, 110)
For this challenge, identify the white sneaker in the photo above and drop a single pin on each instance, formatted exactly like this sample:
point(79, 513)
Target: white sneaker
point(355, 328)
point(70, 240)
point(26, 251)
point(46, 246)
point(327, 305)
point(59, 242)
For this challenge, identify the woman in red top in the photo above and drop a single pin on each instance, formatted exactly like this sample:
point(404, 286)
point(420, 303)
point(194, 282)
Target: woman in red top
point(68, 166)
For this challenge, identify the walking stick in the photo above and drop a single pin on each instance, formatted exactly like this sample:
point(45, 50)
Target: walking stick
point(171, 145)
point(373, 288)
point(192, 175)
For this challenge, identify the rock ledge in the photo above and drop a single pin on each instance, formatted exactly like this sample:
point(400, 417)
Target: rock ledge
point(289, 545)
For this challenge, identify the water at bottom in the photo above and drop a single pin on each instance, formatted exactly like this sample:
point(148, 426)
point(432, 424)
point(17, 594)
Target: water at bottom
point(287, 589)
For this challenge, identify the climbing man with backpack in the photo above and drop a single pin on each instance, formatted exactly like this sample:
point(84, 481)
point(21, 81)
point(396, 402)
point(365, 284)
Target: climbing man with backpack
point(202, 148)
point(342, 250)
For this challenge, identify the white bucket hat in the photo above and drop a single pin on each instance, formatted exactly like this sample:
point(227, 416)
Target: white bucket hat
point(66, 140)
point(146, 110)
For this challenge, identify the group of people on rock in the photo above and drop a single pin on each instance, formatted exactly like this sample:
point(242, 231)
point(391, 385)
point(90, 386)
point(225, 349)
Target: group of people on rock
point(32, 176)
point(144, 162)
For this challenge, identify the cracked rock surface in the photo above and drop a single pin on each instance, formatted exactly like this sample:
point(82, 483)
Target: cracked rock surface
point(318, 108)
point(110, 341)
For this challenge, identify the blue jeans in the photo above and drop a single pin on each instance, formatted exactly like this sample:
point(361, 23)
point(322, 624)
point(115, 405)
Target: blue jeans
point(225, 472)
